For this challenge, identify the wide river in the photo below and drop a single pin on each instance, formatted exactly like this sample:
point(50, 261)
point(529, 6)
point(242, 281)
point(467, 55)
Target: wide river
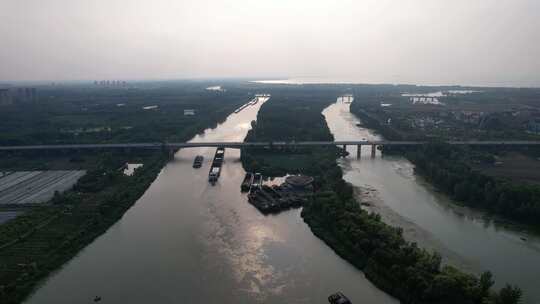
point(185, 241)
point(465, 238)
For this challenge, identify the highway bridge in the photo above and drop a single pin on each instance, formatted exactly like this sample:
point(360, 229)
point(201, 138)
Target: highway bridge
point(237, 145)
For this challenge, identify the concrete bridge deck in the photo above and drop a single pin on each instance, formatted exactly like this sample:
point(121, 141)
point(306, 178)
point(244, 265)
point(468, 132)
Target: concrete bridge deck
point(257, 144)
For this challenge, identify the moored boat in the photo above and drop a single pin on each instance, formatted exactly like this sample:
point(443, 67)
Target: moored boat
point(257, 182)
point(246, 183)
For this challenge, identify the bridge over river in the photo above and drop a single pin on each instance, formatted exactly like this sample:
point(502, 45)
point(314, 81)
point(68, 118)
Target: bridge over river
point(238, 145)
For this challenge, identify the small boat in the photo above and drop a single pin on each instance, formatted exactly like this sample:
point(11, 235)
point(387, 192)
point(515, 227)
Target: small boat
point(248, 180)
point(338, 298)
point(97, 298)
point(197, 163)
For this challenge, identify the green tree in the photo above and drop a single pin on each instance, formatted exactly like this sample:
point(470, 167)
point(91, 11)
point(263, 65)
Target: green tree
point(486, 281)
point(509, 295)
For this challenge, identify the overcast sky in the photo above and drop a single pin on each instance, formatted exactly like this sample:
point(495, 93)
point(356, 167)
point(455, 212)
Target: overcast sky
point(395, 41)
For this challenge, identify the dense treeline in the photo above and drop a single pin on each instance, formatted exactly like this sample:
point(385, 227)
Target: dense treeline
point(444, 166)
point(372, 123)
point(279, 120)
point(405, 271)
point(86, 114)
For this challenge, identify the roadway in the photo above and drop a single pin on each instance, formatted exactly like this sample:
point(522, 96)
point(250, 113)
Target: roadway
point(258, 144)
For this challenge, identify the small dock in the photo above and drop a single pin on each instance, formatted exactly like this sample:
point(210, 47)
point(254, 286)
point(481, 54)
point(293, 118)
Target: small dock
point(274, 199)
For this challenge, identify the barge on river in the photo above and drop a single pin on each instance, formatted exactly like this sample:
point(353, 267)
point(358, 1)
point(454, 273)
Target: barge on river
point(215, 168)
point(197, 163)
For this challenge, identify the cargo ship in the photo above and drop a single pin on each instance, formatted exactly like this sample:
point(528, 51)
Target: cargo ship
point(215, 168)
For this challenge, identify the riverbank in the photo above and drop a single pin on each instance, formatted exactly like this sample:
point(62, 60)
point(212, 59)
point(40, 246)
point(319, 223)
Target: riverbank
point(400, 268)
point(450, 170)
point(372, 202)
point(473, 235)
point(38, 242)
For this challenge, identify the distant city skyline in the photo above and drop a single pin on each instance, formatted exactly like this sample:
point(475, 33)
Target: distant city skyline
point(463, 42)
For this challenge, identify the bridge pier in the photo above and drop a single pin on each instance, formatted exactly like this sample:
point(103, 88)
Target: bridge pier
point(373, 150)
point(359, 152)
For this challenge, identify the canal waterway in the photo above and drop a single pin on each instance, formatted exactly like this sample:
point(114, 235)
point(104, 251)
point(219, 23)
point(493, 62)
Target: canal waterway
point(466, 238)
point(185, 241)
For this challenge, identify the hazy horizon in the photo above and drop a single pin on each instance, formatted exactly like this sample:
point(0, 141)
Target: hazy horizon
point(462, 42)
